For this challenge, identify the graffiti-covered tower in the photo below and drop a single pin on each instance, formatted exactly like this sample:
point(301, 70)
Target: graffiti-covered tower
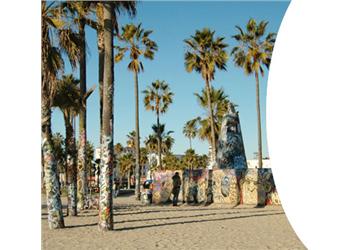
point(230, 148)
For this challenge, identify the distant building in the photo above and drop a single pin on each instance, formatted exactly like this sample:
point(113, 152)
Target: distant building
point(97, 153)
point(254, 163)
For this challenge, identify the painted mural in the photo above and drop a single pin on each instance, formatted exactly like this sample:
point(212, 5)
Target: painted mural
point(163, 185)
point(258, 187)
point(195, 185)
point(230, 186)
point(226, 188)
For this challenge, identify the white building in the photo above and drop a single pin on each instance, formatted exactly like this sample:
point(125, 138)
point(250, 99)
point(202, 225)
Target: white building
point(254, 163)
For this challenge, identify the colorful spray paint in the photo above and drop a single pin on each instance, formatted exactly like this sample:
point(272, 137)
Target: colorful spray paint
point(54, 205)
point(230, 148)
point(82, 172)
point(106, 184)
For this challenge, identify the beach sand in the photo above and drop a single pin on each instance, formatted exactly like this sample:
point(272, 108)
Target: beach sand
point(137, 226)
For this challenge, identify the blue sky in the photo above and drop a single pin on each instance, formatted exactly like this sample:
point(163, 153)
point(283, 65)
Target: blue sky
point(172, 22)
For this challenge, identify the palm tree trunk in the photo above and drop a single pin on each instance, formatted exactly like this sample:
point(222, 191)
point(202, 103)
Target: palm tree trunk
point(71, 167)
point(101, 54)
point(212, 129)
point(259, 119)
point(190, 143)
point(82, 182)
point(129, 178)
point(159, 141)
point(137, 140)
point(106, 180)
point(54, 205)
point(213, 144)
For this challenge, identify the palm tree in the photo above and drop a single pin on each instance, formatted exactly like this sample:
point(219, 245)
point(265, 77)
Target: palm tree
point(253, 52)
point(67, 99)
point(219, 102)
point(82, 10)
point(171, 162)
point(190, 130)
point(131, 140)
point(143, 159)
point(126, 164)
point(90, 150)
point(119, 6)
point(118, 149)
point(190, 159)
point(53, 29)
point(151, 141)
point(157, 98)
point(59, 151)
point(106, 169)
point(138, 43)
point(204, 55)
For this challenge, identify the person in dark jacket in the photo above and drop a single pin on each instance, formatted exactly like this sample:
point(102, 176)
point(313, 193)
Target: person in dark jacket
point(176, 187)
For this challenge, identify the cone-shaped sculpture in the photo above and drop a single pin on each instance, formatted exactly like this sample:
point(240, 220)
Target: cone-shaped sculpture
point(230, 148)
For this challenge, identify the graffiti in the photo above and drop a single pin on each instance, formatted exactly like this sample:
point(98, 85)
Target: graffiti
point(82, 173)
point(72, 186)
point(195, 185)
point(54, 205)
point(163, 185)
point(106, 185)
point(230, 186)
point(258, 187)
point(230, 153)
point(225, 186)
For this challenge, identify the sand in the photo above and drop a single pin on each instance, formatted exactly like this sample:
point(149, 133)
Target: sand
point(137, 226)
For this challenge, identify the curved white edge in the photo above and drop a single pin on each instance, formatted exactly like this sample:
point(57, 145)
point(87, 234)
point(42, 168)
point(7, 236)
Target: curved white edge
point(308, 125)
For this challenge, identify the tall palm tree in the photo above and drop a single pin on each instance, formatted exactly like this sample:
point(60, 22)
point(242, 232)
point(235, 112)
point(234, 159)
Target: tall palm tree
point(119, 6)
point(157, 98)
point(82, 10)
point(204, 55)
point(52, 64)
point(67, 99)
point(253, 52)
point(106, 169)
point(136, 41)
point(190, 130)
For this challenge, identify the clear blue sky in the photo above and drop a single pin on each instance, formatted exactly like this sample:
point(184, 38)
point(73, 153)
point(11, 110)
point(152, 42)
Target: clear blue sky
point(172, 22)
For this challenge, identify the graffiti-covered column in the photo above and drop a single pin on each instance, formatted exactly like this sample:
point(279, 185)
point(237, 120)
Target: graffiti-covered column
point(106, 169)
point(231, 154)
point(71, 168)
point(82, 172)
point(54, 205)
point(82, 169)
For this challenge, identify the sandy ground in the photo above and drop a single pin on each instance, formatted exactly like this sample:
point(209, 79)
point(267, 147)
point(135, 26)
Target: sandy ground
point(138, 226)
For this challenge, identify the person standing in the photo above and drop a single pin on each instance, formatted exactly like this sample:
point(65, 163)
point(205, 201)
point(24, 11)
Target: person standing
point(176, 187)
